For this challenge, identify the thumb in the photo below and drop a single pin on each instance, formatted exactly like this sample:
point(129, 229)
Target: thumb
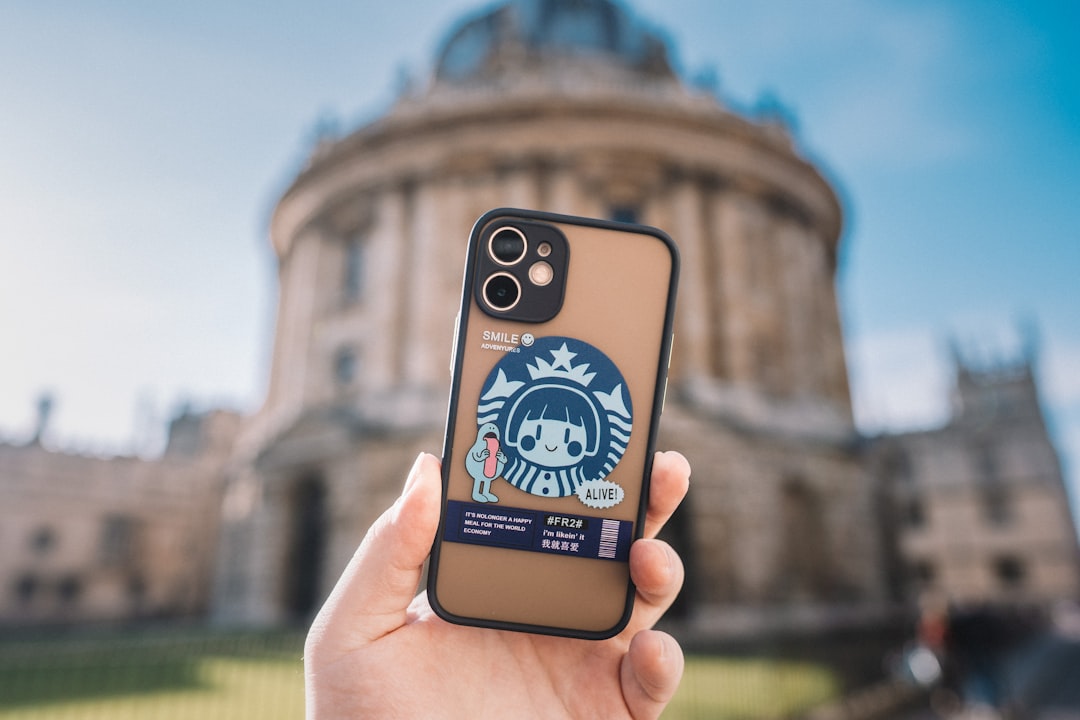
point(373, 594)
point(650, 673)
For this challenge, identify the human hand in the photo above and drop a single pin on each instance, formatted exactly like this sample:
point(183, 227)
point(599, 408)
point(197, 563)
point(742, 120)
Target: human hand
point(376, 651)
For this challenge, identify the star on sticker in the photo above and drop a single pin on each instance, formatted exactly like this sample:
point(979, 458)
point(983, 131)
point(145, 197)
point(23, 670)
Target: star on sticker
point(501, 388)
point(563, 356)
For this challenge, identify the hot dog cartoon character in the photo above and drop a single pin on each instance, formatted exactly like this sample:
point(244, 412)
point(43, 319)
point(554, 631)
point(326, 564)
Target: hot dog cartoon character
point(485, 462)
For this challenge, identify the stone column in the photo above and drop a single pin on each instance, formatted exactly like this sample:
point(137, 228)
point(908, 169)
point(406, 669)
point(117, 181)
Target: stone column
point(420, 288)
point(832, 349)
point(296, 318)
point(695, 338)
point(388, 244)
point(798, 319)
point(453, 221)
point(730, 235)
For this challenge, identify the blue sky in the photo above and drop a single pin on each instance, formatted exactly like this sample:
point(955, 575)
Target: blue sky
point(143, 144)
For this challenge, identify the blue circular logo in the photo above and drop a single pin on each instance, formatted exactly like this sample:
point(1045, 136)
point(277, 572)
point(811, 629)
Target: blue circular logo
point(556, 414)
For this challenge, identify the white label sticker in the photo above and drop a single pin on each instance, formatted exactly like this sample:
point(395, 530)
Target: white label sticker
point(600, 493)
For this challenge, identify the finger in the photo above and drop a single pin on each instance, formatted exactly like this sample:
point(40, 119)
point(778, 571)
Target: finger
point(668, 486)
point(650, 673)
point(372, 597)
point(657, 572)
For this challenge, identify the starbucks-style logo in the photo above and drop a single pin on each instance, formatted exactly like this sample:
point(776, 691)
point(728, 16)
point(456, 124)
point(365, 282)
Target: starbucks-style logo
point(553, 419)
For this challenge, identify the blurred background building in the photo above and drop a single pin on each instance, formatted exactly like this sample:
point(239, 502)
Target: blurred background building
point(794, 524)
point(93, 539)
point(977, 508)
point(570, 107)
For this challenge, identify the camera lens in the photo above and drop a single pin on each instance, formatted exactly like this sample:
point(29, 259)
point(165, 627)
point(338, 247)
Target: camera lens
point(502, 291)
point(507, 245)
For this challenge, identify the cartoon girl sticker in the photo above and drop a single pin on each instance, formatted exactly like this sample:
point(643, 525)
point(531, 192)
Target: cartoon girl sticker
point(562, 413)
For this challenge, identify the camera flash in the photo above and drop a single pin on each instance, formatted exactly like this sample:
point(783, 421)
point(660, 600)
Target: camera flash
point(541, 273)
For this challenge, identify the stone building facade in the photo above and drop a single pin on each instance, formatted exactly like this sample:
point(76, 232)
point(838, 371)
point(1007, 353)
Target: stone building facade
point(100, 539)
point(793, 522)
point(571, 107)
point(979, 507)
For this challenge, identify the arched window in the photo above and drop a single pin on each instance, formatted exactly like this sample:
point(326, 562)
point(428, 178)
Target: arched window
point(1010, 571)
point(345, 366)
point(805, 569)
point(307, 544)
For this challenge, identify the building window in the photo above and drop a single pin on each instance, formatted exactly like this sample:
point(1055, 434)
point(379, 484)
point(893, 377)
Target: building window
point(915, 514)
point(355, 262)
point(1010, 571)
point(985, 463)
point(996, 505)
point(43, 540)
point(136, 589)
point(345, 366)
point(69, 589)
point(897, 467)
point(25, 588)
point(626, 213)
point(923, 573)
point(118, 540)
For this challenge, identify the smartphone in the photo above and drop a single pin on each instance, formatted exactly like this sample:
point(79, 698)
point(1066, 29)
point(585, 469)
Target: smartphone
point(559, 370)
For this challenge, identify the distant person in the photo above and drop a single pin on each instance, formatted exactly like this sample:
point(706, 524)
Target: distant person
point(376, 651)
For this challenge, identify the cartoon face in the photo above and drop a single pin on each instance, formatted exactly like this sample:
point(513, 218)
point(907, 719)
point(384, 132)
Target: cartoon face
point(488, 430)
point(551, 442)
point(562, 413)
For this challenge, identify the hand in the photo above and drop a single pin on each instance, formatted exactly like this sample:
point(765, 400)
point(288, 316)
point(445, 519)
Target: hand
point(376, 651)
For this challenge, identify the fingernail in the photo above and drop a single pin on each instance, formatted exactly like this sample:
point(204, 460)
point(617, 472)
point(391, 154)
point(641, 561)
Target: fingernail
point(414, 473)
point(662, 655)
point(671, 559)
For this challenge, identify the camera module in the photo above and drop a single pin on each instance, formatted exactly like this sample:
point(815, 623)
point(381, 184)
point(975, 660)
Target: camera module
point(501, 291)
point(507, 245)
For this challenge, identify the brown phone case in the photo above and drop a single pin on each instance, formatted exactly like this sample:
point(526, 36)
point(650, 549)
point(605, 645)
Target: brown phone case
point(553, 413)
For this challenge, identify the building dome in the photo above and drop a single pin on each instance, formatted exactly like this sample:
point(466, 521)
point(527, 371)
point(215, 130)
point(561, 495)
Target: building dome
point(523, 32)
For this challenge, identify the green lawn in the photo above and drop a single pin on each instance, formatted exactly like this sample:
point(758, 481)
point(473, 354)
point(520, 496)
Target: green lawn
point(168, 675)
point(202, 674)
point(718, 688)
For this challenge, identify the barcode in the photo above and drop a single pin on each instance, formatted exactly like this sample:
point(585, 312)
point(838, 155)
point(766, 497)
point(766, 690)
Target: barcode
point(609, 539)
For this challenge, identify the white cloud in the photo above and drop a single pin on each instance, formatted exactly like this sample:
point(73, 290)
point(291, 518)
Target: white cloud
point(1061, 373)
point(899, 380)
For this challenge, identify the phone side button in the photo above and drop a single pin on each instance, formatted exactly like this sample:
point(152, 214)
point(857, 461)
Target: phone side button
point(453, 345)
point(663, 398)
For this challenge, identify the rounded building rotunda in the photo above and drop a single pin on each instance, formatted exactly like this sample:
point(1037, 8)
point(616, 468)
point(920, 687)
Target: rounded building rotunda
point(569, 106)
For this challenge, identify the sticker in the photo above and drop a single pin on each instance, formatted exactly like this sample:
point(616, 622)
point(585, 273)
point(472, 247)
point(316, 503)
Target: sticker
point(539, 531)
point(600, 493)
point(551, 420)
point(485, 462)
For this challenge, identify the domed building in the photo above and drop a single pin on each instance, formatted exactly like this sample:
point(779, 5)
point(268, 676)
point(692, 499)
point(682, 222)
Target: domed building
point(571, 106)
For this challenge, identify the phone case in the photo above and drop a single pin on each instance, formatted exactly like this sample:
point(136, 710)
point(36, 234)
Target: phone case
point(552, 421)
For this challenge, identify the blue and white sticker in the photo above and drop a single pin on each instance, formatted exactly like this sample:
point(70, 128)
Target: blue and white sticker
point(553, 420)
